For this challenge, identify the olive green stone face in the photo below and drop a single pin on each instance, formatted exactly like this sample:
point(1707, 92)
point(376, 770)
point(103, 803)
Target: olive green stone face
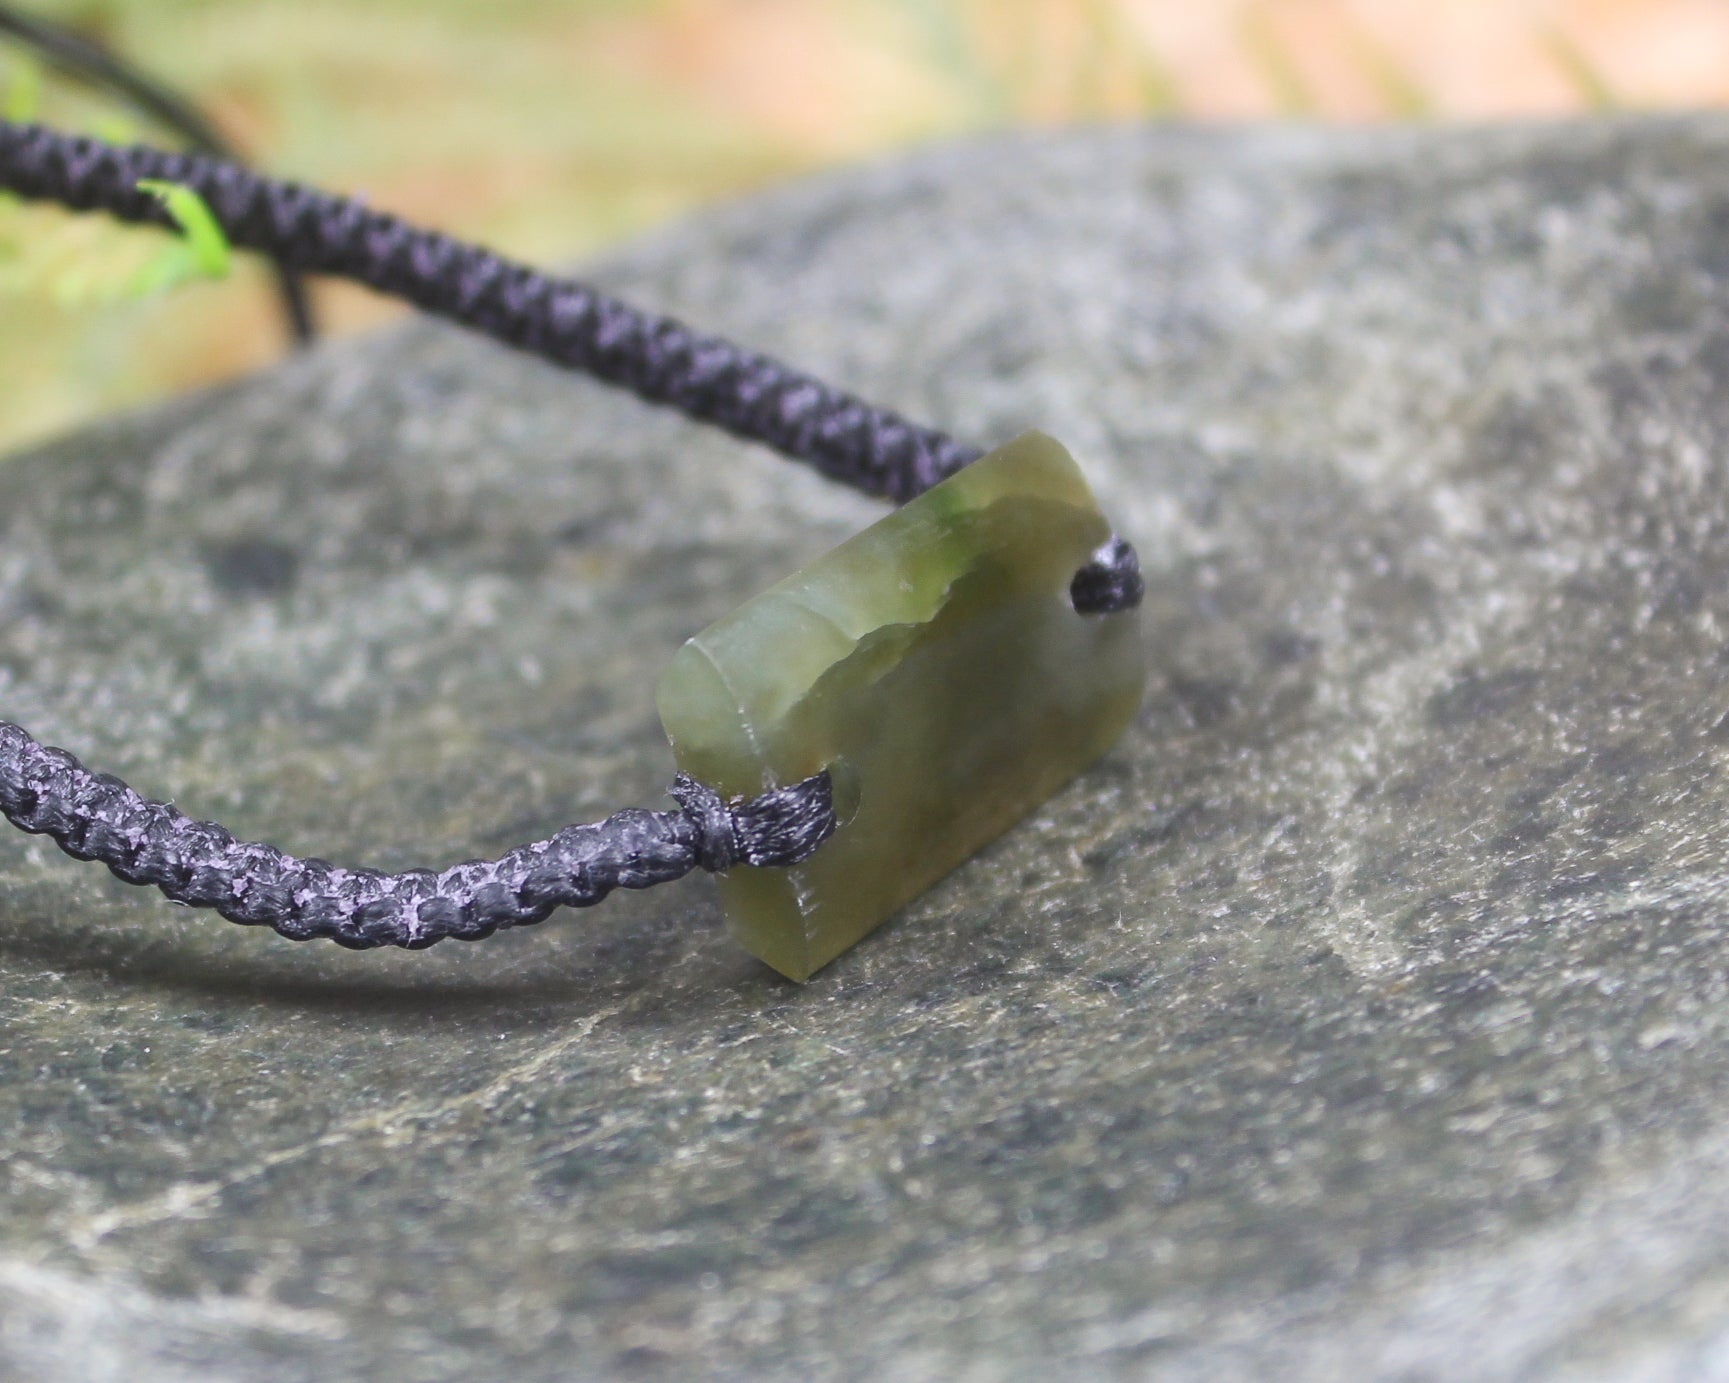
point(935, 665)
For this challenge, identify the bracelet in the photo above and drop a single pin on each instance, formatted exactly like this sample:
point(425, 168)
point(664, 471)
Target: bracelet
point(898, 703)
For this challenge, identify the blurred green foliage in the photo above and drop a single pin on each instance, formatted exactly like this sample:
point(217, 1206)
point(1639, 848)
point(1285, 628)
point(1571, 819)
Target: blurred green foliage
point(548, 128)
point(544, 127)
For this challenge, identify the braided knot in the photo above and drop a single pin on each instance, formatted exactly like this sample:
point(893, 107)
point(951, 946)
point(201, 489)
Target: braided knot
point(716, 836)
point(781, 827)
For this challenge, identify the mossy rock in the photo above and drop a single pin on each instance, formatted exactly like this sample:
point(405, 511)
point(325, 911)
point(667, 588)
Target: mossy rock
point(1364, 1008)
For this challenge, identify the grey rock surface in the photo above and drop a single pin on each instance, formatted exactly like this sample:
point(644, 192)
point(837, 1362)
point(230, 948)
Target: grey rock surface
point(1364, 1014)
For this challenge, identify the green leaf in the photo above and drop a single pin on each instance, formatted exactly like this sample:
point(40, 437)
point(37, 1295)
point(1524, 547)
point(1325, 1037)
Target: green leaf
point(210, 254)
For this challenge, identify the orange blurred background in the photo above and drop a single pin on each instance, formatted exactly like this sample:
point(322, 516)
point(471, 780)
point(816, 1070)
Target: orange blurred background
point(549, 128)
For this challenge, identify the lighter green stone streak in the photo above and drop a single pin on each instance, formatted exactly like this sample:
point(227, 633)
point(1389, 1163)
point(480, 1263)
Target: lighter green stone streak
point(935, 665)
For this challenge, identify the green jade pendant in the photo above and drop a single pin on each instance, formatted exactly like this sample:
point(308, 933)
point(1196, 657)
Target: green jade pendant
point(934, 664)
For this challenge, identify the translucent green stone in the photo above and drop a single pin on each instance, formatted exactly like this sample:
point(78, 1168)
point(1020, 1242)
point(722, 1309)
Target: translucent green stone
point(935, 665)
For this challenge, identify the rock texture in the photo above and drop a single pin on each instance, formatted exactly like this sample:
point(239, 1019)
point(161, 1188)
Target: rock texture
point(1365, 1013)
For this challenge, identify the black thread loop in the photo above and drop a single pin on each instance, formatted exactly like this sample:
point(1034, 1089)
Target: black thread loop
point(785, 825)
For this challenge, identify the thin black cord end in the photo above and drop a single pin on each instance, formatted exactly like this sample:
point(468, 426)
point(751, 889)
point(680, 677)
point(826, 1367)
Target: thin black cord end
point(1111, 582)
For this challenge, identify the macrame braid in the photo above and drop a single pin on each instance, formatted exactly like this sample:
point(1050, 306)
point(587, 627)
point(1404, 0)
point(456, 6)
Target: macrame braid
point(96, 817)
point(569, 323)
point(92, 816)
point(706, 378)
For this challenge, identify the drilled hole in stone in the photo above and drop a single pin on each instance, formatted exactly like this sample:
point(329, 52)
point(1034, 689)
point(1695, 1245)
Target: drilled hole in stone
point(847, 787)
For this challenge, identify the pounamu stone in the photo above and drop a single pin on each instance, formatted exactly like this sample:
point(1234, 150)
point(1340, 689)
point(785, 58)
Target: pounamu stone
point(934, 664)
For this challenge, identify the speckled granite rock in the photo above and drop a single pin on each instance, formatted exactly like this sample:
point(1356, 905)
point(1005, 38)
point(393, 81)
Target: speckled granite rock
point(1366, 1013)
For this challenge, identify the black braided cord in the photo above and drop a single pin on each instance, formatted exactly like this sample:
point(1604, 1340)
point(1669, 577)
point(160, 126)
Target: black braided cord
point(708, 379)
point(570, 323)
point(92, 816)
